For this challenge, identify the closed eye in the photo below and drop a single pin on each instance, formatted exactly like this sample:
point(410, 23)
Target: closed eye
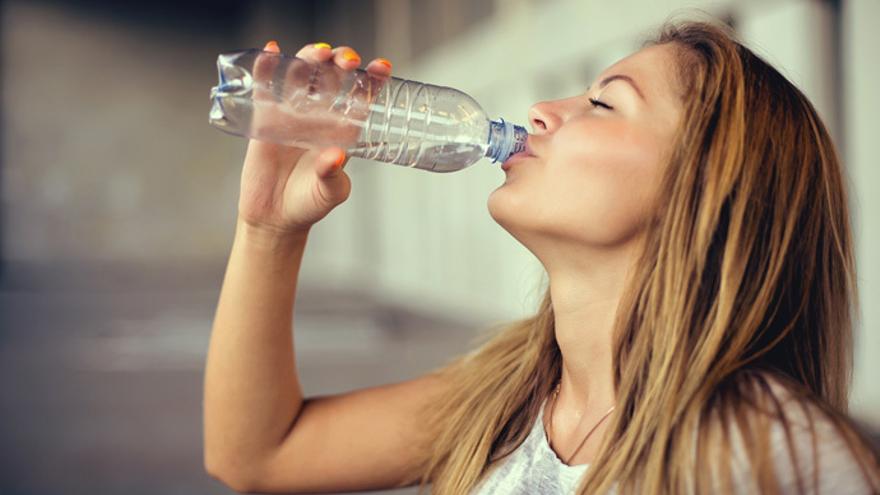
point(597, 103)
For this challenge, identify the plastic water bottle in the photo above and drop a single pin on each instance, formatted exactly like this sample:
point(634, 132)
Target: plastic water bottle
point(291, 101)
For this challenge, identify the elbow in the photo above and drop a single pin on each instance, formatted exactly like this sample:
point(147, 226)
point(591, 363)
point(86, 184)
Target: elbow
point(234, 478)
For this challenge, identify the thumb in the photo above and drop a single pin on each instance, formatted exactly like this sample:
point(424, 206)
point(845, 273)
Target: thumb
point(330, 163)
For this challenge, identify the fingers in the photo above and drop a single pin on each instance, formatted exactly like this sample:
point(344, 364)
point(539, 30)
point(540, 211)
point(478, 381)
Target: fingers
point(318, 52)
point(344, 56)
point(379, 70)
point(264, 68)
point(334, 185)
point(380, 67)
point(330, 162)
point(309, 83)
point(302, 76)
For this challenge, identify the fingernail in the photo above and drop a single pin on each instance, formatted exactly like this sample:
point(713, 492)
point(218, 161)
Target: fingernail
point(351, 56)
point(272, 46)
point(321, 45)
point(340, 159)
point(384, 61)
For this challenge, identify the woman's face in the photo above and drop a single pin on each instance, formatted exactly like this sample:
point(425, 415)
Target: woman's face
point(595, 171)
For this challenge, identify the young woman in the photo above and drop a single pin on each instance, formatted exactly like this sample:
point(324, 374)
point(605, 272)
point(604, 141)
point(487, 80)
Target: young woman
point(695, 337)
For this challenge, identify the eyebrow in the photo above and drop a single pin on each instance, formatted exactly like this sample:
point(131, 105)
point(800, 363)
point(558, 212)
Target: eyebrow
point(622, 77)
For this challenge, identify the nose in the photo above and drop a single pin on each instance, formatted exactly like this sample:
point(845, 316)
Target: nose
point(543, 119)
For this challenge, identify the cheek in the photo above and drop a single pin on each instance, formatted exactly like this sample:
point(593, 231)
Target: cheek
point(601, 181)
point(610, 152)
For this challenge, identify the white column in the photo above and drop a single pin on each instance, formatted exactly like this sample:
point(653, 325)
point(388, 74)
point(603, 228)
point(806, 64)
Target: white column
point(861, 39)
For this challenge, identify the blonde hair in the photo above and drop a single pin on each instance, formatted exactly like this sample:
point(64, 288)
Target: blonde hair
point(747, 275)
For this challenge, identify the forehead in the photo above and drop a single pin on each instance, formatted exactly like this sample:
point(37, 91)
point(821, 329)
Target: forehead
point(653, 69)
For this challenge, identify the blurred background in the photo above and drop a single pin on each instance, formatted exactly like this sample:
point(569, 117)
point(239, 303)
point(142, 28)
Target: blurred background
point(118, 204)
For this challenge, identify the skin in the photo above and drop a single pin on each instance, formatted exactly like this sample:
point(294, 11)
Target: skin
point(285, 189)
point(580, 205)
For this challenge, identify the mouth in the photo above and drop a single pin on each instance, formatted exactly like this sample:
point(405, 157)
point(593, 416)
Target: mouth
point(529, 149)
point(518, 156)
point(526, 153)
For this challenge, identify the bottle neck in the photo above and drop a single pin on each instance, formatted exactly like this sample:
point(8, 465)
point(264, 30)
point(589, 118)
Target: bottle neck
point(505, 139)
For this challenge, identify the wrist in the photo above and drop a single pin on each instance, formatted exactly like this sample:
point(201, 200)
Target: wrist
point(269, 238)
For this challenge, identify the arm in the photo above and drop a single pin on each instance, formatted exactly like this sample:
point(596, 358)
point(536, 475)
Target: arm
point(252, 392)
point(259, 432)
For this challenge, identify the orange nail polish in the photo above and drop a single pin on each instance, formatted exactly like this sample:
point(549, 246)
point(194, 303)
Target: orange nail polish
point(340, 160)
point(384, 61)
point(351, 56)
point(272, 46)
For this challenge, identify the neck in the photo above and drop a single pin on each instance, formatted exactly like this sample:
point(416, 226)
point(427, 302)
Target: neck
point(585, 304)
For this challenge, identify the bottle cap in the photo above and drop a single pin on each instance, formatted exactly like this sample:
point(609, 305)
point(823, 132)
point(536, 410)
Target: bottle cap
point(505, 139)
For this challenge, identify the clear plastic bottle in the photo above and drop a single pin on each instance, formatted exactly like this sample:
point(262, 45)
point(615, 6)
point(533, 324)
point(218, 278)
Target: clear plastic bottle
point(295, 102)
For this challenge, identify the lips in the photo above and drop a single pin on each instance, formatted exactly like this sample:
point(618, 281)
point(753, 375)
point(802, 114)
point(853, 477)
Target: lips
point(508, 163)
point(521, 154)
point(527, 152)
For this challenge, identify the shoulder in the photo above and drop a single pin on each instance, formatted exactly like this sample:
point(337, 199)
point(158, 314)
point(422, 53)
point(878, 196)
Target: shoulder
point(806, 445)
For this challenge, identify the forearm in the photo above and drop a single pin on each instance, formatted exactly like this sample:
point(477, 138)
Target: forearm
point(252, 391)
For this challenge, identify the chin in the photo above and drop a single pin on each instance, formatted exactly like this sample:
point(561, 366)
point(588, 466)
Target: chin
point(507, 212)
point(500, 205)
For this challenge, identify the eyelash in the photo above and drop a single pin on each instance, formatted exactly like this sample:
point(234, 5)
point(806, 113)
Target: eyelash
point(597, 103)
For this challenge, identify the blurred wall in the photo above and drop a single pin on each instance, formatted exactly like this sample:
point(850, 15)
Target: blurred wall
point(108, 160)
point(107, 157)
point(109, 164)
point(860, 40)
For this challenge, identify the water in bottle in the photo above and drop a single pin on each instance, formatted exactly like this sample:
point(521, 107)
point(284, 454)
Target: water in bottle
point(287, 100)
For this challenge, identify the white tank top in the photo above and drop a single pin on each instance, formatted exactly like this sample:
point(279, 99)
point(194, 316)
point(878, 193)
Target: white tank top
point(533, 468)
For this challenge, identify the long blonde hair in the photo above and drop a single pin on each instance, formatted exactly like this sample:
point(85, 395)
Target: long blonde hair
point(747, 273)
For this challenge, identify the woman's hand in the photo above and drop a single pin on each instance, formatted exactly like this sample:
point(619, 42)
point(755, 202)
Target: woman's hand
point(286, 189)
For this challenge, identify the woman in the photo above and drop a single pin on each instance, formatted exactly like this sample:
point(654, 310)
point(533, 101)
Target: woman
point(691, 213)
